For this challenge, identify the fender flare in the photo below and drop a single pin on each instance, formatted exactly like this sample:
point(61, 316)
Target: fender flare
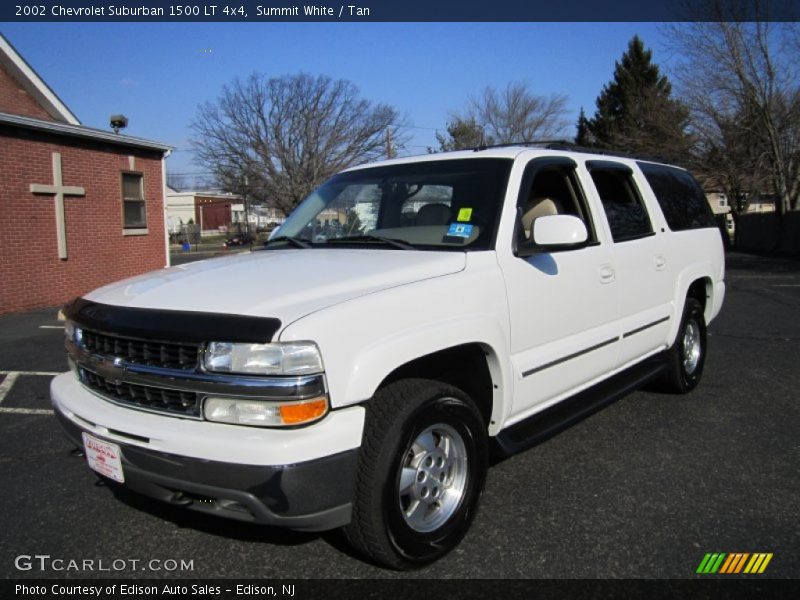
point(696, 271)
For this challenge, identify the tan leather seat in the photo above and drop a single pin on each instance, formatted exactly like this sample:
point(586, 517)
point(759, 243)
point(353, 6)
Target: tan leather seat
point(539, 207)
point(433, 214)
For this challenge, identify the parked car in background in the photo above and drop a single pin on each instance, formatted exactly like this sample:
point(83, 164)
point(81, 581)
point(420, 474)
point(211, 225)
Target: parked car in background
point(241, 239)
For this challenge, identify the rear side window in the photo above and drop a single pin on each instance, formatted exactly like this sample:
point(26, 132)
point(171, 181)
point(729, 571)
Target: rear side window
point(680, 197)
point(626, 214)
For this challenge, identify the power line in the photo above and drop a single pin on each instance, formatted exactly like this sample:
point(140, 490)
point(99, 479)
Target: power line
point(187, 173)
point(416, 127)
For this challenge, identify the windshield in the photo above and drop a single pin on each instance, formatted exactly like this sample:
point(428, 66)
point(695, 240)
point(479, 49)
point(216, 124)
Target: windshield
point(446, 204)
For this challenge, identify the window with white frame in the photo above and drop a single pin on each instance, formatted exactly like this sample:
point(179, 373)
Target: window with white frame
point(133, 208)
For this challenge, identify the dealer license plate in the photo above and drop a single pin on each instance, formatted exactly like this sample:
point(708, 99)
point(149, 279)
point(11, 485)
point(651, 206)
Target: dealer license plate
point(103, 457)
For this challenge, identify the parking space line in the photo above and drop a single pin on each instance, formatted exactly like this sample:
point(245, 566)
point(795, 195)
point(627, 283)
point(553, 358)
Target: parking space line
point(51, 327)
point(26, 411)
point(6, 385)
point(761, 277)
point(38, 373)
point(8, 382)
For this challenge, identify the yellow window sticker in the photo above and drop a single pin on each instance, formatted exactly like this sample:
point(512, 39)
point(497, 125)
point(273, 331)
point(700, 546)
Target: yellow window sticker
point(464, 214)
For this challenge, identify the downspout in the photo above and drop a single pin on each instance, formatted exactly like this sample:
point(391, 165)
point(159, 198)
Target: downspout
point(164, 200)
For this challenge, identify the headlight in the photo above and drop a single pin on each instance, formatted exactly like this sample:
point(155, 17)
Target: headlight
point(238, 411)
point(293, 358)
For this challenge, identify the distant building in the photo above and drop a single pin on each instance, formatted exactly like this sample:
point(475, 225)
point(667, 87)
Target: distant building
point(212, 211)
point(265, 217)
point(81, 207)
point(721, 207)
point(719, 203)
point(761, 204)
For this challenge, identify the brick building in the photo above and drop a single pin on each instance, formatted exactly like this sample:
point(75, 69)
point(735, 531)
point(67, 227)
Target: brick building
point(79, 207)
point(212, 211)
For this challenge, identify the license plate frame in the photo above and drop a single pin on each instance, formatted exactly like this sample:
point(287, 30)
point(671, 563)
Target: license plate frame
point(103, 457)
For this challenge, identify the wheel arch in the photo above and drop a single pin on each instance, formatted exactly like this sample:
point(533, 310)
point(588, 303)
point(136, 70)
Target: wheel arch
point(702, 290)
point(695, 282)
point(472, 367)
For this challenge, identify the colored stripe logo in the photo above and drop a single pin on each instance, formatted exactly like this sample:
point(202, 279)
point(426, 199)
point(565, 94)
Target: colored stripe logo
point(733, 563)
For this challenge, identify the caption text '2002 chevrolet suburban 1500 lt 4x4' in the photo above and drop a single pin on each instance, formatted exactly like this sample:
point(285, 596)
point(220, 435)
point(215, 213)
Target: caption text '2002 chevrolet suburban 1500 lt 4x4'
point(354, 372)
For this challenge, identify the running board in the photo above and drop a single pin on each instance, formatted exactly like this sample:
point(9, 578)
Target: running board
point(545, 424)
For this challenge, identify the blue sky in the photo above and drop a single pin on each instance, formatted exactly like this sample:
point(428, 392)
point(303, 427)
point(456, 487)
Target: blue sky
point(157, 74)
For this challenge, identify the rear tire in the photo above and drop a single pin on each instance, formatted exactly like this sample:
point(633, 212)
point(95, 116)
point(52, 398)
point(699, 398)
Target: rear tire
point(687, 356)
point(421, 471)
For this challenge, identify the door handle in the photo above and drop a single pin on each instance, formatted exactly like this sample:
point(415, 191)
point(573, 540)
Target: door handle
point(660, 261)
point(606, 274)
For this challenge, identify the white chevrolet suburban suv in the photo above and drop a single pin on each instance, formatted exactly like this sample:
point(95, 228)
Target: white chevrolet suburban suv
point(407, 317)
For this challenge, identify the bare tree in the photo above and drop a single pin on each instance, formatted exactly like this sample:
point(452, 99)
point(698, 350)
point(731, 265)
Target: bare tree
point(741, 80)
point(177, 181)
point(729, 159)
point(514, 114)
point(276, 139)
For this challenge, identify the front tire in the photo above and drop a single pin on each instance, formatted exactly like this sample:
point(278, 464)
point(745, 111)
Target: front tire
point(687, 356)
point(422, 467)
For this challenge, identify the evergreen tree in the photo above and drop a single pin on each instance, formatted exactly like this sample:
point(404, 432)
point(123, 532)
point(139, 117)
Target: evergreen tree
point(462, 134)
point(353, 224)
point(636, 112)
point(583, 137)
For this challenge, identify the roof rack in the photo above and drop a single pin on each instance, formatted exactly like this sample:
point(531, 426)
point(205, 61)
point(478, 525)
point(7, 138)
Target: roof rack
point(568, 146)
point(542, 143)
point(572, 147)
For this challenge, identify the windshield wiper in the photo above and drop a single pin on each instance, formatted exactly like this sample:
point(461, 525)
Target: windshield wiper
point(374, 238)
point(296, 242)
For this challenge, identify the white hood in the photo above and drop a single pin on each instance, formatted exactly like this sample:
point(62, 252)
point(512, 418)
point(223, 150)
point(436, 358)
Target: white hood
point(286, 284)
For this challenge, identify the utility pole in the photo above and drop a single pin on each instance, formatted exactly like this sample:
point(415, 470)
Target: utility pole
point(389, 148)
point(246, 207)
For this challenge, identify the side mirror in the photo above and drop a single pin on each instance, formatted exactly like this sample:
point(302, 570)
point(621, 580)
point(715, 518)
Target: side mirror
point(558, 231)
point(552, 233)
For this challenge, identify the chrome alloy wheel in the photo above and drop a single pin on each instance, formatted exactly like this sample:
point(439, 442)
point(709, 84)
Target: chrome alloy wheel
point(433, 478)
point(691, 347)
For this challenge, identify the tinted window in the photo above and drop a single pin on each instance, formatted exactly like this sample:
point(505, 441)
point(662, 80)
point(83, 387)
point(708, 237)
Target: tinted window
point(625, 212)
point(680, 197)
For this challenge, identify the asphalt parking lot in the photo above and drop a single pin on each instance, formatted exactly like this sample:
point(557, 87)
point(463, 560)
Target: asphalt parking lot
point(643, 489)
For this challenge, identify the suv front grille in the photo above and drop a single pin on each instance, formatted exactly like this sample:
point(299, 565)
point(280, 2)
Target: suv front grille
point(174, 402)
point(168, 355)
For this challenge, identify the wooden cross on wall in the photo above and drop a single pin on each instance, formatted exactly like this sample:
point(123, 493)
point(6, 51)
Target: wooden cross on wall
point(59, 190)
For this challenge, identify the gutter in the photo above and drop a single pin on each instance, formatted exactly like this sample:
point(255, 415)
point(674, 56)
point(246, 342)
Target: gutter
point(167, 259)
point(81, 131)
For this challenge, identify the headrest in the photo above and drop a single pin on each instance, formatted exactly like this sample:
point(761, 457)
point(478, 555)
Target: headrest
point(539, 207)
point(433, 214)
